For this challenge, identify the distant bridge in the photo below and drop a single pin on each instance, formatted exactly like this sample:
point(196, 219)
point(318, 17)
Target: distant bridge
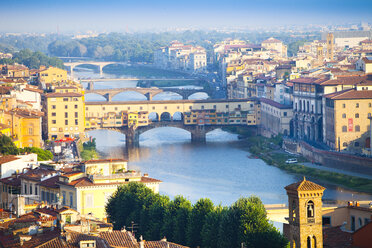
point(134, 79)
point(99, 64)
point(148, 92)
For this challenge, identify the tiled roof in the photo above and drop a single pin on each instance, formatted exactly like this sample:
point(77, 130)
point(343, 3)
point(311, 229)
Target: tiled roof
point(86, 182)
point(68, 94)
point(304, 185)
point(275, 104)
point(334, 237)
point(7, 158)
point(119, 239)
point(50, 182)
point(57, 242)
point(350, 94)
point(162, 244)
point(309, 80)
point(13, 181)
point(346, 80)
point(37, 174)
point(74, 238)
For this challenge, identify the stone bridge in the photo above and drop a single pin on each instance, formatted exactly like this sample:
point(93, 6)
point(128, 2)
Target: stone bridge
point(148, 92)
point(198, 132)
point(100, 65)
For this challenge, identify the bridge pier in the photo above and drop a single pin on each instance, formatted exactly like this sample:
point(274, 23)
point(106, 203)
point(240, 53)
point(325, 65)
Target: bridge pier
point(90, 86)
point(149, 96)
point(100, 70)
point(198, 134)
point(131, 137)
point(108, 97)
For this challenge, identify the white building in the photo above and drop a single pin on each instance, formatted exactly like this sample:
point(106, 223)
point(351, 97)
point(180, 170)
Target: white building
point(28, 94)
point(10, 164)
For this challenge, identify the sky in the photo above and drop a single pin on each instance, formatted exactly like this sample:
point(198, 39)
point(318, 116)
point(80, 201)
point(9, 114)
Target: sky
point(154, 15)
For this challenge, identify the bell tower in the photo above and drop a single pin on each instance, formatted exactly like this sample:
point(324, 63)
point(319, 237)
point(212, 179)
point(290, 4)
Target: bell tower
point(330, 46)
point(305, 214)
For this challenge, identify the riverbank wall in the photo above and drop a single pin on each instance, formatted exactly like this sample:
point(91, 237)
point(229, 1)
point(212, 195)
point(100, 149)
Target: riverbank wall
point(332, 159)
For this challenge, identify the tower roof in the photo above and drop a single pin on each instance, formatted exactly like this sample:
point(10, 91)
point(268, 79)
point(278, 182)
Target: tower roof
point(304, 185)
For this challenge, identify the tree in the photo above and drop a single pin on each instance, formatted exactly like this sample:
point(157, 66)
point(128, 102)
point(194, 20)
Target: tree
point(7, 147)
point(42, 155)
point(211, 227)
point(196, 221)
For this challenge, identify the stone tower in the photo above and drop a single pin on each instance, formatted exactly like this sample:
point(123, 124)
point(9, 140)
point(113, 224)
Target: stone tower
point(319, 53)
point(330, 46)
point(305, 214)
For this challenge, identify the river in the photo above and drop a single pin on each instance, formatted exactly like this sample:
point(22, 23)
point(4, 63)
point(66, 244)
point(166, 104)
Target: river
point(219, 169)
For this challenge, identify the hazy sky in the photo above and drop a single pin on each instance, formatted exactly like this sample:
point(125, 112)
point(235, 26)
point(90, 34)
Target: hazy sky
point(123, 15)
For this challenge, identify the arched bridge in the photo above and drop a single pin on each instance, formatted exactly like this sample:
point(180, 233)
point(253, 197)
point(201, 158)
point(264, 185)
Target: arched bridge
point(100, 65)
point(148, 92)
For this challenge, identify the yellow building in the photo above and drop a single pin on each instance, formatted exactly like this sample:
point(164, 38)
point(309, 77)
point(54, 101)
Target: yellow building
point(25, 127)
point(89, 195)
point(64, 115)
point(346, 119)
point(52, 74)
point(5, 130)
point(138, 119)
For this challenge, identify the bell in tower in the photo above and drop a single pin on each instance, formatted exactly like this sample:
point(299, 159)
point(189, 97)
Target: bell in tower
point(305, 214)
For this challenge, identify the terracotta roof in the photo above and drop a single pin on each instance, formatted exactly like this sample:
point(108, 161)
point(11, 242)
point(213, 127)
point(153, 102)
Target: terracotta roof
point(334, 237)
point(57, 242)
point(74, 238)
point(86, 182)
point(162, 244)
point(275, 104)
point(149, 180)
point(366, 41)
point(68, 94)
point(50, 182)
point(350, 94)
point(367, 60)
point(104, 160)
point(12, 181)
point(37, 173)
point(27, 113)
point(28, 88)
point(7, 158)
point(348, 80)
point(309, 80)
point(119, 239)
point(304, 185)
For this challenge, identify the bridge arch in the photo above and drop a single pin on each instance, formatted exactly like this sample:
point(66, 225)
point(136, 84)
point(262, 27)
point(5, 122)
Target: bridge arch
point(94, 97)
point(200, 95)
point(133, 96)
point(154, 116)
point(166, 116)
point(177, 116)
point(167, 95)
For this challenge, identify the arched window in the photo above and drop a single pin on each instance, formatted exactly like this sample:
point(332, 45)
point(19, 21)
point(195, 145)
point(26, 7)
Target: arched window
point(357, 128)
point(344, 129)
point(343, 115)
point(294, 207)
point(356, 115)
point(310, 209)
point(308, 242)
point(314, 242)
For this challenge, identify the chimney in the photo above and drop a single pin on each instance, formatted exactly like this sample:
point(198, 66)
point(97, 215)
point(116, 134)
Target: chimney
point(146, 175)
point(142, 242)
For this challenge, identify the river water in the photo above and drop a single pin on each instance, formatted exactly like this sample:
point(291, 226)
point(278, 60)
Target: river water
point(219, 170)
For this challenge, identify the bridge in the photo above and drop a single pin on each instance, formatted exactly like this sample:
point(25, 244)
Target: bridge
point(233, 112)
point(134, 79)
point(148, 92)
point(100, 65)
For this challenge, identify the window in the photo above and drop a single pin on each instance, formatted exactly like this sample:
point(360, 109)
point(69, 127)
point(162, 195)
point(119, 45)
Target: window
point(65, 99)
point(343, 105)
point(53, 106)
point(352, 223)
point(71, 199)
point(30, 131)
point(356, 144)
point(344, 129)
point(356, 115)
point(344, 116)
point(369, 104)
point(54, 113)
point(63, 197)
point(76, 106)
point(30, 189)
point(202, 107)
point(360, 222)
point(284, 113)
point(310, 209)
point(25, 189)
point(35, 190)
point(357, 128)
point(89, 201)
point(357, 105)
point(66, 115)
point(66, 106)
point(76, 122)
point(326, 220)
point(227, 106)
point(369, 114)
point(76, 114)
point(54, 121)
point(66, 122)
point(344, 144)
point(68, 219)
